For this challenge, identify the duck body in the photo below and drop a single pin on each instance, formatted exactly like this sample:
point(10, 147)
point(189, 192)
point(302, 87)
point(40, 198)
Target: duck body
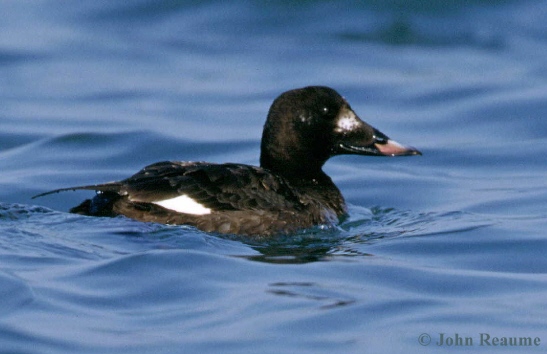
point(287, 193)
point(224, 198)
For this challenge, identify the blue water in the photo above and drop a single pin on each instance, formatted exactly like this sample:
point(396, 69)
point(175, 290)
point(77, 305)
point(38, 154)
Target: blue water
point(451, 242)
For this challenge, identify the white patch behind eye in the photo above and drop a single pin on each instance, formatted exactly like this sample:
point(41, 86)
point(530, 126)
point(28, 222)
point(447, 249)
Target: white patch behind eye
point(183, 204)
point(347, 122)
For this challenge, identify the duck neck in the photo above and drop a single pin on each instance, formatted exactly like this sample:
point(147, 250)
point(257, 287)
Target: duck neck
point(300, 173)
point(310, 180)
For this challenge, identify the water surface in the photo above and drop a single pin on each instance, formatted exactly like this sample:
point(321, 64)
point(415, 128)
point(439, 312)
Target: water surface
point(450, 242)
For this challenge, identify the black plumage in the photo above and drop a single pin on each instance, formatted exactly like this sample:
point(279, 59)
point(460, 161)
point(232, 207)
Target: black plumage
point(287, 193)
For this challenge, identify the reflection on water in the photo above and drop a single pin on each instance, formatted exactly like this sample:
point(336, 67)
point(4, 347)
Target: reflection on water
point(364, 227)
point(327, 298)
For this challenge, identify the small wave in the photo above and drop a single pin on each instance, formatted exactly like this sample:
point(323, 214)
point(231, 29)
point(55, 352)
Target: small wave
point(42, 231)
point(363, 226)
point(389, 222)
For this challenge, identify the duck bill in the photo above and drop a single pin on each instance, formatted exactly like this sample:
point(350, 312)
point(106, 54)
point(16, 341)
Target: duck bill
point(381, 146)
point(393, 148)
point(387, 147)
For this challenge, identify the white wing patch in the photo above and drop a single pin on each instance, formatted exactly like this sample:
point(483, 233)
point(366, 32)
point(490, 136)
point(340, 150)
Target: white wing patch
point(183, 204)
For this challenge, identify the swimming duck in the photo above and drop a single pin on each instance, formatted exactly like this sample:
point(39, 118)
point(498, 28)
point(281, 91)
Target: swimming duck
point(287, 193)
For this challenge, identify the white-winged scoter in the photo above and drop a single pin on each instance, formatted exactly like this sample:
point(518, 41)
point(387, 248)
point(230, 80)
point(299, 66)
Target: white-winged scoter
point(287, 193)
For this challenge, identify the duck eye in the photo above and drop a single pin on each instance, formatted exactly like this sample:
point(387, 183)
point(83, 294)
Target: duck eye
point(325, 110)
